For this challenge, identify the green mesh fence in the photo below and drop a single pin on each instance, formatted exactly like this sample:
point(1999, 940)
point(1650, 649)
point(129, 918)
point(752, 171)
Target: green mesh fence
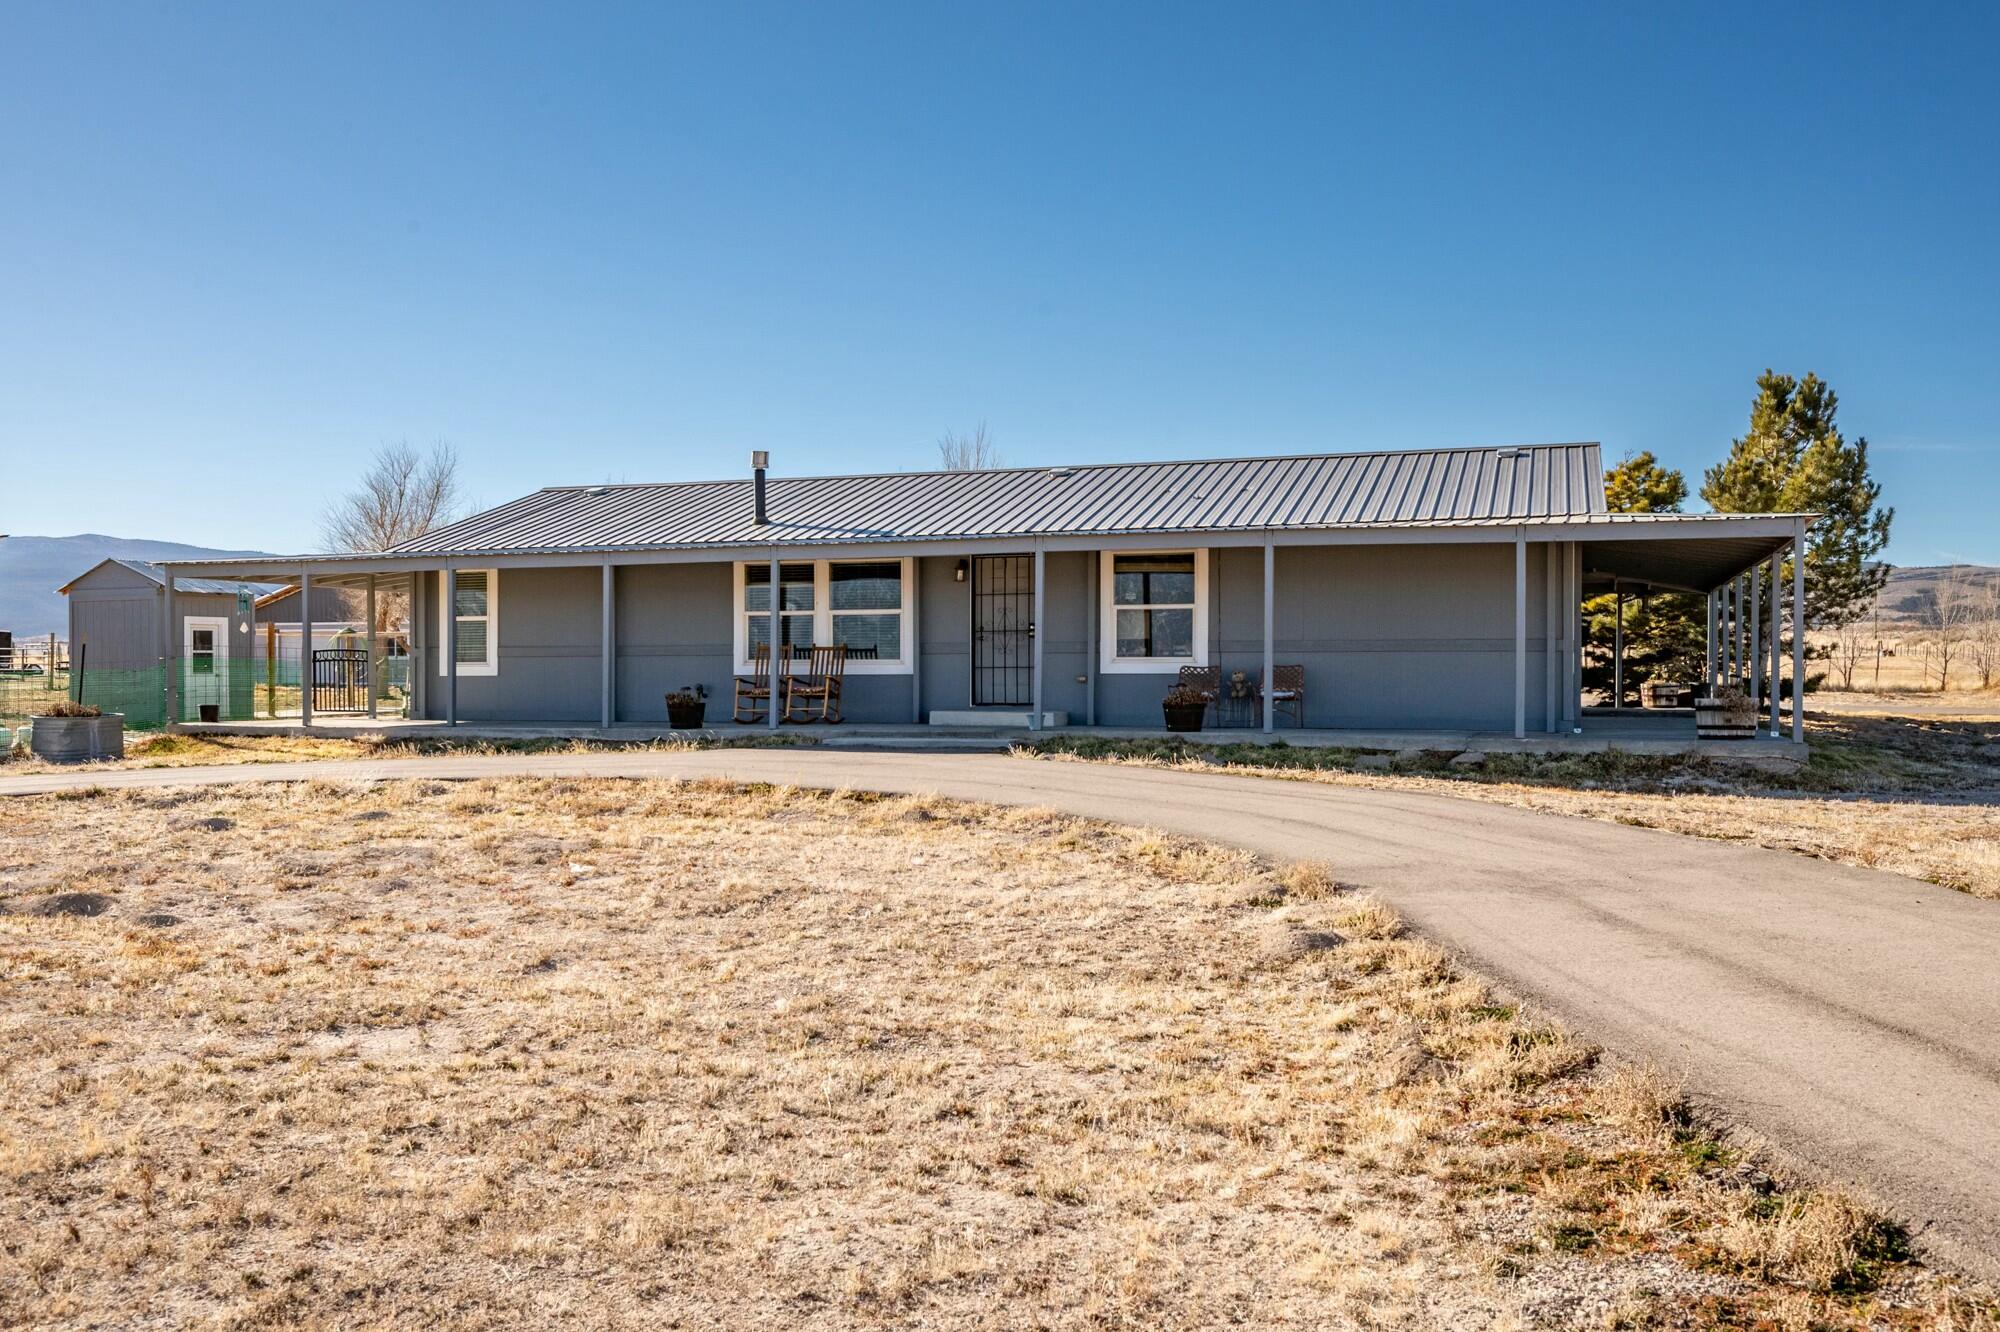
point(239, 689)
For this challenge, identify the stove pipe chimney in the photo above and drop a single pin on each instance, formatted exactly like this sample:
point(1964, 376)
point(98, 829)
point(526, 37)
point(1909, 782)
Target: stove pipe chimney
point(759, 460)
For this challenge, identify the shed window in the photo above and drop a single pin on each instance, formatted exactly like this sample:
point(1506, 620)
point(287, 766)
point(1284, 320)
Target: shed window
point(201, 651)
point(860, 605)
point(1155, 610)
point(476, 609)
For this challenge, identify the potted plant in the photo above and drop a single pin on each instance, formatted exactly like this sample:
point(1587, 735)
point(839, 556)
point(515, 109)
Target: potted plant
point(686, 707)
point(71, 732)
point(1184, 708)
point(1727, 714)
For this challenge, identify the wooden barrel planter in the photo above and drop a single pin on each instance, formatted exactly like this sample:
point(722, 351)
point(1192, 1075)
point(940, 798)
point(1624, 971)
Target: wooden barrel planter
point(1726, 717)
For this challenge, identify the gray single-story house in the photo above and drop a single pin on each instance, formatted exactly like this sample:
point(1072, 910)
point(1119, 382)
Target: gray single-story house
point(1418, 590)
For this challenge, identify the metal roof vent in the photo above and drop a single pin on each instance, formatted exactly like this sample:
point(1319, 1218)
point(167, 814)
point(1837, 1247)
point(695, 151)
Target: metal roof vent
point(1062, 471)
point(598, 490)
point(1510, 455)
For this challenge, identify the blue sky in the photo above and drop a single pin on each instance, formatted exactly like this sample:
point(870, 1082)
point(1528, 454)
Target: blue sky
point(245, 245)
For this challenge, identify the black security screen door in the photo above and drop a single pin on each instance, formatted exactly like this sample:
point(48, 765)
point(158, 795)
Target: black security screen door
point(1003, 622)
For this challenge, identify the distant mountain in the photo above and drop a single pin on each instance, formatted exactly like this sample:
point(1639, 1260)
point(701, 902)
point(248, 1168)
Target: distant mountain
point(32, 568)
point(1909, 590)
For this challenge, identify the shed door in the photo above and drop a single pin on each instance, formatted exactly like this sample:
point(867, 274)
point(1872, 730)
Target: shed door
point(204, 664)
point(1003, 625)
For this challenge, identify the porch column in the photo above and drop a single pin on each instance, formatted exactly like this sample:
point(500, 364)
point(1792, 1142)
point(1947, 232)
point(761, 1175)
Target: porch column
point(1756, 657)
point(1035, 637)
point(607, 683)
point(1771, 667)
point(1799, 631)
point(777, 647)
point(170, 654)
point(1572, 610)
point(1520, 633)
point(1270, 653)
point(305, 647)
point(915, 647)
point(451, 645)
point(1092, 645)
point(1708, 654)
point(1551, 628)
point(1618, 646)
point(368, 637)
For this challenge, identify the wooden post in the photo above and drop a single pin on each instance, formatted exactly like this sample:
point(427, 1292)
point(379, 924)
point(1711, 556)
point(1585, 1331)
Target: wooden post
point(1095, 641)
point(1756, 657)
point(451, 645)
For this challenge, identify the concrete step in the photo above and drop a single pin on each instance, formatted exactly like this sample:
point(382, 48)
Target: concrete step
point(996, 718)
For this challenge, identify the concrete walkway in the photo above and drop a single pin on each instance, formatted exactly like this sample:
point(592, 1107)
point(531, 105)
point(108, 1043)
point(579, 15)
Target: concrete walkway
point(1851, 1017)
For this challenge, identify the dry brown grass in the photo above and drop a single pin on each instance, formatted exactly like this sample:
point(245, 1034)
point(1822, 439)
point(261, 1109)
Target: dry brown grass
point(643, 1054)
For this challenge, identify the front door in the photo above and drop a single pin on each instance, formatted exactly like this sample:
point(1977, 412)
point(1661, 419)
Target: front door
point(1003, 625)
point(204, 665)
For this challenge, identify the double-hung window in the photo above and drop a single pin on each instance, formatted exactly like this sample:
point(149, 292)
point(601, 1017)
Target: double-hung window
point(861, 605)
point(477, 610)
point(1155, 610)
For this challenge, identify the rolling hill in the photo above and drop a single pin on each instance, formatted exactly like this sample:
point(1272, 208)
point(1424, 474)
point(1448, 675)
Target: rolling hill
point(33, 567)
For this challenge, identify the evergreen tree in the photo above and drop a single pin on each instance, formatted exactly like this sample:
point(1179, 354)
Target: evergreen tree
point(1665, 638)
point(1793, 459)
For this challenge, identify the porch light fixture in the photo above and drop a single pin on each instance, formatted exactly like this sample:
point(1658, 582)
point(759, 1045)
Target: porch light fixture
point(959, 571)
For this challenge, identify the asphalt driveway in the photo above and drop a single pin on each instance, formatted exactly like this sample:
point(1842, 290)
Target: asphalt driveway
point(1849, 1016)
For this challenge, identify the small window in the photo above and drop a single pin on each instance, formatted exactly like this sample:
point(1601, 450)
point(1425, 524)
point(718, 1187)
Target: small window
point(1155, 610)
point(476, 612)
point(201, 651)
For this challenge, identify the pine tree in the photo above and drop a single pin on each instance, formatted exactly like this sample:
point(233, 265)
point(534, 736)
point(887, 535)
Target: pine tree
point(1665, 638)
point(1794, 459)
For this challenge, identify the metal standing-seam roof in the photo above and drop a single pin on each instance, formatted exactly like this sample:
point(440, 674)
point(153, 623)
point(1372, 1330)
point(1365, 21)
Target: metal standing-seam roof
point(182, 583)
point(1430, 486)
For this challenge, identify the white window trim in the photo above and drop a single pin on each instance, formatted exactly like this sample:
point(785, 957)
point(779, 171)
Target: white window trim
point(490, 666)
point(1109, 662)
point(822, 615)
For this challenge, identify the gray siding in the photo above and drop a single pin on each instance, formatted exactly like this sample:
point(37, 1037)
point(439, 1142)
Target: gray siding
point(1391, 636)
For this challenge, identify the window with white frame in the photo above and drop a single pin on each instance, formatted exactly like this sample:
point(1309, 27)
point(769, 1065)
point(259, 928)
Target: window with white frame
point(477, 609)
point(1155, 610)
point(861, 605)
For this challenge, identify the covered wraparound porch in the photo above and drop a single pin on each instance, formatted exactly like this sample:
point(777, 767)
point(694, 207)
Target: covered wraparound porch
point(1464, 630)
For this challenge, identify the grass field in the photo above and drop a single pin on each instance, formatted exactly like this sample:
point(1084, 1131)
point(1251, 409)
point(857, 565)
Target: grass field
point(624, 1054)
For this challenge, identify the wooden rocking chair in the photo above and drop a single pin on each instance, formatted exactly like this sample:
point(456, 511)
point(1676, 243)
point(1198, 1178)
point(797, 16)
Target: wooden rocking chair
point(815, 695)
point(753, 691)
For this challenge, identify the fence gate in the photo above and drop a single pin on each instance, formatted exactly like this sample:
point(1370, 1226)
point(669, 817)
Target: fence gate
point(1003, 622)
point(340, 679)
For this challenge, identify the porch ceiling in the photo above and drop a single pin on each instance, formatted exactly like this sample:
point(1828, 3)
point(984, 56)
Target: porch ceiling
point(1684, 564)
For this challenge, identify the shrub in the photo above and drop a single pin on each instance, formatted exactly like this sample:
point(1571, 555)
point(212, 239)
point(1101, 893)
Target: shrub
point(1180, 696)
point(68, 708)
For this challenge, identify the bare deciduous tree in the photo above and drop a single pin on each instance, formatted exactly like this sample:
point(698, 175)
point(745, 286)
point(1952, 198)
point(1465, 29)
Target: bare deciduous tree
point(1983, 642)
point(1948, 614)
point(1851, 642)
point(404, 494)
point(975, 452)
